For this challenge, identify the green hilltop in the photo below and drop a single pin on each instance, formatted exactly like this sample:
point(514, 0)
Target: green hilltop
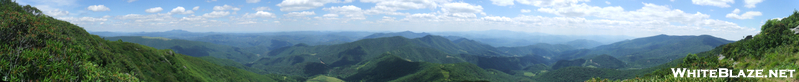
point(37, 47)
point(775, 47)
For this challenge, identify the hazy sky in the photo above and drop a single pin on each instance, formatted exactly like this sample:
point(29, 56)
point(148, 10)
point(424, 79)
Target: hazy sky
point(729, 19)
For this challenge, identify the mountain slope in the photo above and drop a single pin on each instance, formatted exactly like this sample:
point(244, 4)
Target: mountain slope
point(36, 47)
point(433, 49)
point(655, 50)
point(775, 47)
point(192, 48)
point(389, 67)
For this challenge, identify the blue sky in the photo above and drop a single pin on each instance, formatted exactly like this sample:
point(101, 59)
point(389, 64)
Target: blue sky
point(729, 19)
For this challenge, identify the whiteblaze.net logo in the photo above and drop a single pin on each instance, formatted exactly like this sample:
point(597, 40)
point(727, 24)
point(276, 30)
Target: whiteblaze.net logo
point(724, 72)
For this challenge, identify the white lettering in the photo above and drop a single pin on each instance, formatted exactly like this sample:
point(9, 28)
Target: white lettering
point(678, 72)
point(723, 72)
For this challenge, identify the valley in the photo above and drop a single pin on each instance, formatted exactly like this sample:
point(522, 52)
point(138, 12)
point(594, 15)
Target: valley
point(37, 47)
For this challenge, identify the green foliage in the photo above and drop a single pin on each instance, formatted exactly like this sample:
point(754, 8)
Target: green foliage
point(775, 47)
point(35, 47)
point(568, 63)
point(605, 61)
point(389, 67)
point(652, 51)
point(575, 74)
point(193, 48)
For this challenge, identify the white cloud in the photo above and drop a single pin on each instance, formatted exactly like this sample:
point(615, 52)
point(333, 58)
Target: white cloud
point(145, 18)
point(746, 15)
point(462, 8)
point(56, 13)
point(192, 18)
point(260, 14)
point(298, 5)
point(350, 11)
point(226, 7)
point(717, 3)
point(98, 8)
point(580, 10)
point(606, 2)
point(195, 8)
point(262, 9)
point(751, 3)
point(330, 15)
point(548, 3)
point(276, 21)
point(180, 10)
point(210, 1)
point(671, 0)
point(82, 19)
point(131, 1)
point(299, 14)
point(502, 2)
point(389, 7)
point(247, 22)
point(650, 13)
point(154, 10)
point(496, 18)
point(525, 11)
point(253, 1)
point(216, 14)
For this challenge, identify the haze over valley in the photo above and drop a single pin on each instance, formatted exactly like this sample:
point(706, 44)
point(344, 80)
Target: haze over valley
point(394, 40)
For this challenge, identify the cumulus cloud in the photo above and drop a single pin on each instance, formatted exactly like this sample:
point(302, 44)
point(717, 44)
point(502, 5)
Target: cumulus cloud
point(717, 3)
point(195, 8)
point(56, 13)
point(262, 9)
point(462, 9)
point(145, 18)
point(259, 14)
point(216, 14)
point(330, 15)
point(751, 3)
point(131, 1)
point(525, 11)
point(298, 5)
point(253, 1)
point(580, 10)
point(226, 7)
point(247, 22)
point(299, 14)
point(389, 7)
point(746, 15)
point(606, 2)
point(496, 18)
point(82, 19)
point(154, 10)
point(350, 11)
point(180, 10)
point(98, 8)
point(502, 2)
point(192, 18)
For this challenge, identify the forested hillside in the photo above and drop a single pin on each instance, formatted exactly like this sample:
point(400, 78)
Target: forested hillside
point(192, 48)
point(775, 47)
point(655, 50)
point(37, 47)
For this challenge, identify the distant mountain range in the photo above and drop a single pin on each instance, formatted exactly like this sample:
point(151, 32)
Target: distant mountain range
point(656, 50)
